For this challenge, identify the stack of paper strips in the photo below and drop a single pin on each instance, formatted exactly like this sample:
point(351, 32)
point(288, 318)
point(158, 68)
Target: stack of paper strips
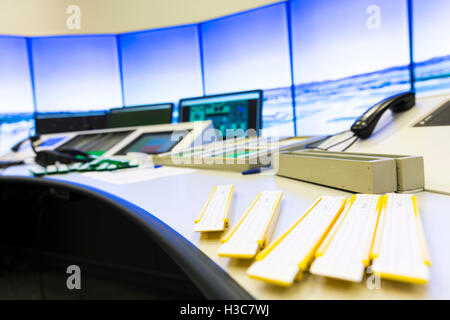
point(215, 213)
point(286, 258)
point(345, 252)
point(400, 251)
point(254, 229)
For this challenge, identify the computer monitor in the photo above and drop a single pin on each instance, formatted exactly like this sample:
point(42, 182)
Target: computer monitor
point(140, 115)
point(241, 110)
point(69, 121)
point(154, 142)
point(95, 143)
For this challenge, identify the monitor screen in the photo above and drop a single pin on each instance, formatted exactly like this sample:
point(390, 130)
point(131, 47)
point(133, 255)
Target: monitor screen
point(161, 65)
point(250, 50)
point(76, 73)
point(51, 141)
point(154, 142)
point(345, 64)
point(16, 94)
point(67, 122)
point(140, 115)
point(227, 112)
point(95, 143)
point(431, 46)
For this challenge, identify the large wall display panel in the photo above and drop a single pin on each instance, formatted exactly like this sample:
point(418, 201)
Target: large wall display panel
point(347, 55)
point(250, 50)
point(431, 39)
point(161, 65)
point(76, 73)
point(16, 95)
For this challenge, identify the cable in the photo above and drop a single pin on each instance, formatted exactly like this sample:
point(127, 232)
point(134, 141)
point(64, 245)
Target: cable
point(337, 143)
point(342, 141)
point(314, 144)
point(32, 139)
point(356, 139)
point(333, 145)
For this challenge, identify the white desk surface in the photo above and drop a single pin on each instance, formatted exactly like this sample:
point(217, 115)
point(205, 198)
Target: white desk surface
point(177, 200)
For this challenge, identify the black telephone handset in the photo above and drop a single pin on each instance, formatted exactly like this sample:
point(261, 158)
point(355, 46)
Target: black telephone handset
point(47, 157)
point(365, 124)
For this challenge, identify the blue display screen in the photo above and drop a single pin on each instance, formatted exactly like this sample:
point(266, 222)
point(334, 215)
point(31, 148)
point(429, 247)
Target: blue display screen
point(16, 95)
point(330, 59)
point(161, 65)
point(431, 39)
point(51, 141)
point(76, 73)
point(249, 51)
point(347, 55)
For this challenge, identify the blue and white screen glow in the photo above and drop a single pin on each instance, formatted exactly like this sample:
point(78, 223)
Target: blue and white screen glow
point(15, 84)
point(161, 65)
point(16, 95)
point(249, 51)
point(431, 39)
point(76, 73)
point(347, 55)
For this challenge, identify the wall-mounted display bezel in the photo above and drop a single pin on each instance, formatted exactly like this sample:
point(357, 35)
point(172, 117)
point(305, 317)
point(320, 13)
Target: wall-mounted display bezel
point(56, 122)
point(114, 115)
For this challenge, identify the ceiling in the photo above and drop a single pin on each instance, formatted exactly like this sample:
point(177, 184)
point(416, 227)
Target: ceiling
point(49, 17)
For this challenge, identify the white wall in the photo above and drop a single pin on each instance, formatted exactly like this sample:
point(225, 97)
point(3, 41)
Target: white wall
point(48, 17)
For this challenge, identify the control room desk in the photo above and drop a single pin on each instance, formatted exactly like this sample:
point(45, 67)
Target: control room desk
point(177, 200)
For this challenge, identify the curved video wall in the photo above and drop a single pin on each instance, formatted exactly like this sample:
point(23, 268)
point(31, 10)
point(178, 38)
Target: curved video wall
point(319, 63)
